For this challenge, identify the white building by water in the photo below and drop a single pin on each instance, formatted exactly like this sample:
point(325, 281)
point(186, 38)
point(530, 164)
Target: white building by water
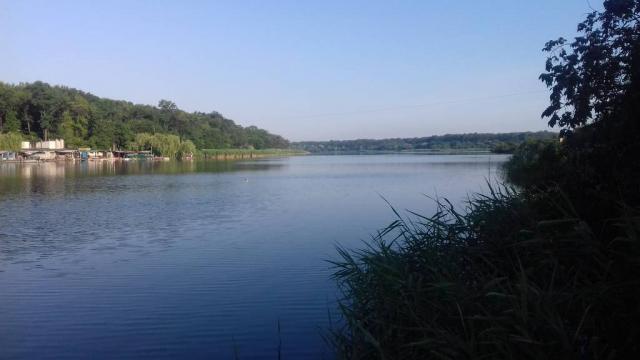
point(57, 144)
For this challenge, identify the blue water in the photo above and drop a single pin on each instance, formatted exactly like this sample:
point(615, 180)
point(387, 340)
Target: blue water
point(196, 260)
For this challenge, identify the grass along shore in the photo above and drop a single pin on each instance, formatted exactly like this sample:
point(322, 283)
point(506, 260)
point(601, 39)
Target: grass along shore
point(236, 154)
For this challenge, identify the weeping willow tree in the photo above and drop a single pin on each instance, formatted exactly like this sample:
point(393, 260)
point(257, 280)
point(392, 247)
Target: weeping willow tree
point(163, 144)
point(187, 148)
point(10, 141)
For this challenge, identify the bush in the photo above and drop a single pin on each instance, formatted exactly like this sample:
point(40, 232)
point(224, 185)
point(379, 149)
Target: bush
point(504, 148)
point(535, 162)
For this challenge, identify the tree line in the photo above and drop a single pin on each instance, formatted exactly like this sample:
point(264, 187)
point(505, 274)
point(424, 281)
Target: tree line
point(41, 111)
point(500, 143)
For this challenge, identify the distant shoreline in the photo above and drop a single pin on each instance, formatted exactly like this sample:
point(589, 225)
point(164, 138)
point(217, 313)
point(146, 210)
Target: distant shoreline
point(410, 152)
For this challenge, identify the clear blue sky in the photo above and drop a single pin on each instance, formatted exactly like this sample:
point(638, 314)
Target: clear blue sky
point(306, 70)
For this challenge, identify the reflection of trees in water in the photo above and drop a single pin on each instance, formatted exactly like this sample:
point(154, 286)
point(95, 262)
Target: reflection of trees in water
point(56, 179)
point(54, 209)
point(104, 168)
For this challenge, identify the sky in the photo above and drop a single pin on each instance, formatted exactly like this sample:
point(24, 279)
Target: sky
point(307, 70)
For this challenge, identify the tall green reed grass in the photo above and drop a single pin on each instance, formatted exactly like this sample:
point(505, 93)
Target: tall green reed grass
point(513, 275)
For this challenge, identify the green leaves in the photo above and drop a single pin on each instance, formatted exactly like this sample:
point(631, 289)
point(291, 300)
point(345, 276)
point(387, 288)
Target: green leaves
point(516, 276)
point(163, 144)
point(84, 119)
point(591, 77)
point(10, 141)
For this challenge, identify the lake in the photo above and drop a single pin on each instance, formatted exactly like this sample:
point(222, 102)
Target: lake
point(197, 259)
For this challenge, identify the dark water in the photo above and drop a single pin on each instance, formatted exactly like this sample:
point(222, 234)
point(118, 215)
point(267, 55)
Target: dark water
point(195, 260)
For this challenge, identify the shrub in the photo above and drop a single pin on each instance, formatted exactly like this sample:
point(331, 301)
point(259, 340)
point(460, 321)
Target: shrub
point(535, 162)
point(504, 148)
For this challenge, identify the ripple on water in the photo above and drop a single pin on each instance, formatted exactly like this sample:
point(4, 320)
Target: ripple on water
point(166, 260)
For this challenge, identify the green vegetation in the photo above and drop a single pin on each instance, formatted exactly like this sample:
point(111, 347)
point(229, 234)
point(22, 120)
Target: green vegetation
point(515, 276)
point(246, 153)
point(547, 270)
point(503, 143)
point(10, 141)
point(533, 161)
point(39, 110)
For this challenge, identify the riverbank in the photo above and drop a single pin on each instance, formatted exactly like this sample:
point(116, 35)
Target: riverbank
point(240, 154)
point(470, 151)
point(533, 273)
point(207, 154)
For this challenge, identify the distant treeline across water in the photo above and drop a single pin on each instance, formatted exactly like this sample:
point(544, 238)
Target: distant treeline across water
point(500, 143)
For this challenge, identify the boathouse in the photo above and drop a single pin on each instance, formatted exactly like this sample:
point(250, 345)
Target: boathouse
point(41, 150)
point(7, 155)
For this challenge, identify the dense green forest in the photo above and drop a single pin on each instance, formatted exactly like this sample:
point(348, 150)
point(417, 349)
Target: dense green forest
point(39, 110)
point(544, 267)
point(503, 143)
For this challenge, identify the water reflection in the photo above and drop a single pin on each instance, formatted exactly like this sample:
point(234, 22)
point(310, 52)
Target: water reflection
point(197, 258)
point(103, 168)
point(50, 177)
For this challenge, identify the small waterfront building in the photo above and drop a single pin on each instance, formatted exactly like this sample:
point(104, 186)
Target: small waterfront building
point(135, 155)
point(40, 155)
point(57, 144)
point(94, 154)
point(7, 155)
point(121, 154)
point(41, 150)
point(104, 154)
point(84, 153)
point(67, 154)
point(99, 154)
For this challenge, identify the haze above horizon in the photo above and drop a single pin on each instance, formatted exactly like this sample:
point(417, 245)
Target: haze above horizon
point(307, 71)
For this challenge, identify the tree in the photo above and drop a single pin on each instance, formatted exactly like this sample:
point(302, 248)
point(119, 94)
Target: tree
point(44, 111)
point(102, 135)
point(166, 145)
point(167, 110)
point(10, 141)
point(167, 106)
point(66, 130)
point(11, 123)
point(187, 148)
point(122, 136)
point(46, 122)
point(595, 100)
point(597, 74)
point(178, 123)
point(142, 141)
point(27, 119)
point(5, 103)
point(161, 144)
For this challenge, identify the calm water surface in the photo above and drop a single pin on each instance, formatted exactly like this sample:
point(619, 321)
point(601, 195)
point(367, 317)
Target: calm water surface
point(195, 260)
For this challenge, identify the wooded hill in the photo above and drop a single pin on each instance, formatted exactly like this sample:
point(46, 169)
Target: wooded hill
point(39, 110)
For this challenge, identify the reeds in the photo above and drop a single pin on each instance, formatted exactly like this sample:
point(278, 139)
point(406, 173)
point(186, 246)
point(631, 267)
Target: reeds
point(233, 154)
point(512, 276)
